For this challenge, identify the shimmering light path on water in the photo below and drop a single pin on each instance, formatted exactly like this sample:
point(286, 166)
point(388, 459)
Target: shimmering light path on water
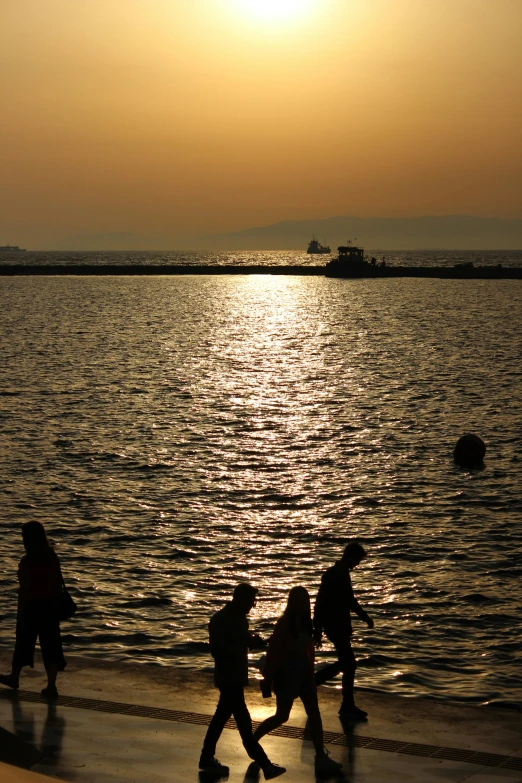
point(179, 435)
point(444, 258)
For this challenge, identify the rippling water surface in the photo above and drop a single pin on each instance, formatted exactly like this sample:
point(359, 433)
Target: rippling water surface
point(508, 258)
point(177, 435)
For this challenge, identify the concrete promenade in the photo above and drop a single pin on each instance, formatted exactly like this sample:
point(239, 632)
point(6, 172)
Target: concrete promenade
point(124, 723)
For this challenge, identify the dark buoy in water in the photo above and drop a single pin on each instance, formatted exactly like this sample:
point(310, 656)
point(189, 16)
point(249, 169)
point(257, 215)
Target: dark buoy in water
point(469, 451)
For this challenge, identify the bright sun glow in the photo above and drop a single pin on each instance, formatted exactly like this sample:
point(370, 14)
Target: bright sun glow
point(276, 10)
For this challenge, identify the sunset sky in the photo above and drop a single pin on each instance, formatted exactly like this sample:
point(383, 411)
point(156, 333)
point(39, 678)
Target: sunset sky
point(175, 117)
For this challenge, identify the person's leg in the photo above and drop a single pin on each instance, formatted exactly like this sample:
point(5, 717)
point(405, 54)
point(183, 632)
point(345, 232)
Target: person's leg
point(244, 726)
point(232, 702)
point(315, 724)
point(348, 709)
point(12, 680)
point(327, 672)
point(324, 765)
point(52, 654)
point(23, 654)
point(348, 664)
point(283, 709)
point(52, 672)
point(217, 724)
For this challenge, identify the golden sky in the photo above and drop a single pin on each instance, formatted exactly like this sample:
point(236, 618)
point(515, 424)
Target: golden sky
point(171, 117)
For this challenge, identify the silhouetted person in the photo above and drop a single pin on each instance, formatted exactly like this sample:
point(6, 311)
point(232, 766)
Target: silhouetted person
point(40, 580)
point(289, 670)
point(230, 641)
point(335, 601)
point(373, 261)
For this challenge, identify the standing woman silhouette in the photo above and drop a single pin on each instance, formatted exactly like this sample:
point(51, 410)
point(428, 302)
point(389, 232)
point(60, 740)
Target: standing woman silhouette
point(289, 671)
point(40, 579)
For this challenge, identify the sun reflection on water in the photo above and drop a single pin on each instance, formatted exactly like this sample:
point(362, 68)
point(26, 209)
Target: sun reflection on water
point(257, 426)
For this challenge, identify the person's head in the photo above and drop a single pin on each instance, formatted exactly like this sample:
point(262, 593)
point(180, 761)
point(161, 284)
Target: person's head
point(353, 554)
point(298, 602)
point(35, 539)
point(298, 611)
point(244, 597)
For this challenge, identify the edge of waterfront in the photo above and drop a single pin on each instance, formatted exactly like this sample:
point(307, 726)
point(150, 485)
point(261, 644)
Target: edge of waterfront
point(118, 722)
point(391, 717)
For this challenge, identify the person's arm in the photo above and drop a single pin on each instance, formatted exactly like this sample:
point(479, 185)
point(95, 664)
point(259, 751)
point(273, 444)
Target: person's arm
point(274, 656)
point(24, 580)
point(57, 575)
point(318, 616)
point(361, 614)
point(223, 636)
point(256, 642)
point(310, 653)
point(356, 607)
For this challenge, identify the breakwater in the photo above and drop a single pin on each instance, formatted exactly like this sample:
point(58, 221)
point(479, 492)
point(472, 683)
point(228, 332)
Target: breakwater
point(464, 272)
point(160, 269)
point(458, 272)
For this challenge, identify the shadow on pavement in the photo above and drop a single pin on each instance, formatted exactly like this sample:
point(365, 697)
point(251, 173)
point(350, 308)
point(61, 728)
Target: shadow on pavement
point(21, 747)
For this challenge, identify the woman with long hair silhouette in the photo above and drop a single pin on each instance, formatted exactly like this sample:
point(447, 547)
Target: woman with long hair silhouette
point(40, 578)
point(289, 672)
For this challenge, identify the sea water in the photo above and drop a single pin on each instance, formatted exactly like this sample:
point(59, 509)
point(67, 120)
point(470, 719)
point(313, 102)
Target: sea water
point(444, 258)
point(179, 435)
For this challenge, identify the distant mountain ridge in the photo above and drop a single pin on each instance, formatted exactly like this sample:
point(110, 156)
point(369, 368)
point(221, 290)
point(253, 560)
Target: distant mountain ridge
point(458, 232)
point(451, 232)
point(110, 240)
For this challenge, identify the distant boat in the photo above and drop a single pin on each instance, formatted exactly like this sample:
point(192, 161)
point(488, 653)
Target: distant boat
point(11, 249)
point(316, 248)
point(352, 263)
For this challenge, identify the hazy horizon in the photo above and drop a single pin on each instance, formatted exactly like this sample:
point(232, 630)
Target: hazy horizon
point(451, 232)
point(172, 119)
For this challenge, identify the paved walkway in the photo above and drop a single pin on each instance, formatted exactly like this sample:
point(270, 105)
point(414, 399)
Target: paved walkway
point(143, 723)
point(10, 774)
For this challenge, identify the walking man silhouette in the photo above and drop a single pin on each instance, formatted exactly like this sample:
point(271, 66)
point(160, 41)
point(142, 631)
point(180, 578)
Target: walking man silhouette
point(334, 603)
point(230, 641)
